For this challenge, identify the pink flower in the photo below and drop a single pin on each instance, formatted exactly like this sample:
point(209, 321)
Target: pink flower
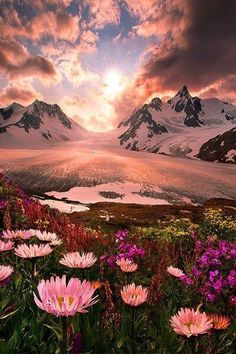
point(134, 295)
point(18, 234)
point(61, 299)
point(32, 251)
point(77, 260)
point(5, 272)
point(176, 272)
point(188, 322)
point(6, 246)
point(126, 265)
point(45, 236)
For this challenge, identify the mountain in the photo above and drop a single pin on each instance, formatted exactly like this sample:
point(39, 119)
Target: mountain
point(221, 148)
point(37, 125)
point(178, 127)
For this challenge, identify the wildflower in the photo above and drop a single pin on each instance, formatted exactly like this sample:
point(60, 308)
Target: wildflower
point(33, 251)
point(219, 321)
point(126, 265)
point(61, 299)
point(5, 272)
point(233, 300)
point(6, 246)
point(77, 260)
point(134, 295)
point(211, 297)
point(3, 204)
point(45, 236)
point(232, 278)
point(121, 235)
point(176, 272)
point(18, 234)
point(188, 322)
point(186, 280)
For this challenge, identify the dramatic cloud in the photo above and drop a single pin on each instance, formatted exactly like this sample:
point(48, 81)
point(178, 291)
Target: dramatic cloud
point(22, 93)
point(196, 47)
point(16, 62)
point(59, 25)
point(152, 47)
point(103, 12)
point(203, 52)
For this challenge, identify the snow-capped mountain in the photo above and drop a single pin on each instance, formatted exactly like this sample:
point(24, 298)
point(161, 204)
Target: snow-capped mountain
point(37, 125)
point(178, 127)
point(221, 148)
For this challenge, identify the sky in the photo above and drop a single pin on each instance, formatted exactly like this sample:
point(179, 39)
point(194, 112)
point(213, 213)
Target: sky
point(101, 59)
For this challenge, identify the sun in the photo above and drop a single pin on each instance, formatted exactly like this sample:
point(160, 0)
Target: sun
point(113, 83)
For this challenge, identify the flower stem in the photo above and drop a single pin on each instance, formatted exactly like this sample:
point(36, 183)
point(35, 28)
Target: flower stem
point(133, 333)
point(64, 344)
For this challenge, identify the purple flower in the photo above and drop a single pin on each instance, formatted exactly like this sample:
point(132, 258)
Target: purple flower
point(196, 272)
point(213, 275)
point(233, 300)
point(232, 278)
point(186, 280)
point(211, 297)
point(111, 261)
point(204, 260)
point(3, 204)
point(121, 235)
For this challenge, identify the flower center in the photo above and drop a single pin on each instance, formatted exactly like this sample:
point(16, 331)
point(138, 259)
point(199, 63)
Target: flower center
point(60, 300)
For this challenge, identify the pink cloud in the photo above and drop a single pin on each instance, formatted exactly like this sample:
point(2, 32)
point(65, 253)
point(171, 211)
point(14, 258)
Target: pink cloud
point(59, 25)
point(103, 12)
point(21, 92)
point(16, 62)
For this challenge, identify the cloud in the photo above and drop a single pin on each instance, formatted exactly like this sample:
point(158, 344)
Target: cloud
point(103, 12)
point(56, 24)
point(16, 62)
point(21, 92)
point(196, 47)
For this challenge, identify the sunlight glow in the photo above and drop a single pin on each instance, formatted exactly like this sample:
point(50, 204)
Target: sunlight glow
point(114, 83)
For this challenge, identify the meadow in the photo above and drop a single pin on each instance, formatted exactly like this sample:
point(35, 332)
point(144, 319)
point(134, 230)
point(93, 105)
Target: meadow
point(69, 287)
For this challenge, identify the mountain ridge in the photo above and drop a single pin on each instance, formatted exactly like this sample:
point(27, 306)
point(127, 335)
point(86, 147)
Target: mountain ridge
point(178, 127)
point(36, 125)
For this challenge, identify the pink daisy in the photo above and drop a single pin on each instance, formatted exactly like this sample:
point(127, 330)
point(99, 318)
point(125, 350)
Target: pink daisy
point(6, 246)
point(61, 299)
point(188, 322)
point(134, 295)
point(5, 272)
point(18, 234)
point(126, 265)
point(176, 272)
point(77, 260)
point(32, 251)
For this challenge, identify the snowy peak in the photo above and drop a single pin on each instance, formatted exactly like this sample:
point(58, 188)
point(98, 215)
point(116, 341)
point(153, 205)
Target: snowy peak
point(184, 102)
point(178, 127)
point(38, 124)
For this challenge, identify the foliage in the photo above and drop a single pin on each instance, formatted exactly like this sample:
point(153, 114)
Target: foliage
point(111, 326)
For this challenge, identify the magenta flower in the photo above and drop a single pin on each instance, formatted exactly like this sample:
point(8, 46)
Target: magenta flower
point(232, 278)
point(61, 299)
